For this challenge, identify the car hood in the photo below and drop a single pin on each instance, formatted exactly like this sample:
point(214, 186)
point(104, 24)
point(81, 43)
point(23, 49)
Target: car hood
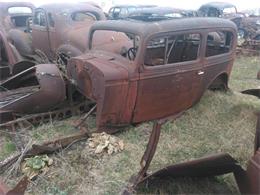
point(92, 72)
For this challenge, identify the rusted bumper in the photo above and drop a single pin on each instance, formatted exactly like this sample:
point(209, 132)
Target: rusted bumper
point(37, 89)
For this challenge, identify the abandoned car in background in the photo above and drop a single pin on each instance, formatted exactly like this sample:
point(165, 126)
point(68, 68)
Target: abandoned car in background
point(160, 13)
point(123, 11)
point(15, 15)
point(165, 71)
point(11, 62)
point(60, 31)
point(248, 27)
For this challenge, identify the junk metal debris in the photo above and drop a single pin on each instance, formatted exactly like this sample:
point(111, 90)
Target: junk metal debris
point(34, 90)
point(103, 142)
point(247, 180)
point(19, 189)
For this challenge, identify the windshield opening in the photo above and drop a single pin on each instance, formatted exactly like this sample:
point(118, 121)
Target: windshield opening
point(120, 43)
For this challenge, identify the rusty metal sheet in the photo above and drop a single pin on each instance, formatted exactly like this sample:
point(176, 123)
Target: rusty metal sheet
point(254, 92)
point(37, 89)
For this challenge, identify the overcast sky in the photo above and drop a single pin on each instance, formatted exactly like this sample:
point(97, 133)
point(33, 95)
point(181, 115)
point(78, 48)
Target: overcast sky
point(188, 4)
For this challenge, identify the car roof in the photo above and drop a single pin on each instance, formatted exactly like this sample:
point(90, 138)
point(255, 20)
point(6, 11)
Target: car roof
point(69, 7)
point(219, 5)
point(157, 10)
point(143, 28)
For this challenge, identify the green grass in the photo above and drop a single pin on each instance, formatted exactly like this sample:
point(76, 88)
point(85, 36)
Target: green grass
point(220, 122)
point(7, 147)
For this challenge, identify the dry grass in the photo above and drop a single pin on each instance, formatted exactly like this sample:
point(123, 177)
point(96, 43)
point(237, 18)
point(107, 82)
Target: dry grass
point(220, 122)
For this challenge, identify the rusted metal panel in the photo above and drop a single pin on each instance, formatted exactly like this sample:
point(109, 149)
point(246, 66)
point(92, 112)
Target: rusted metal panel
point(254, 92)
point(11, 62)
point(37, 89)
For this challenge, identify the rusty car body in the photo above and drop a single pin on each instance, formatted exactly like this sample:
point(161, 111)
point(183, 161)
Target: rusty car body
point(60, 31)
point(15, 15)
point(37, 89)
point(63, 27)
point(160, 13)
point(11, 62)
point(152, 81)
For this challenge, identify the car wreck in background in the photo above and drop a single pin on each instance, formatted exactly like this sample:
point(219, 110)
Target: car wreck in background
point(167, 61)
point(15, 15)
point(160, 13)
point(123, 11)
point(60, 31)
point(248, 27)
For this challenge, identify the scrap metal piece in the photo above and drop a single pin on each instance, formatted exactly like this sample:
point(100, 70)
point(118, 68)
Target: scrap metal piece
point(35, 119)
point(218, 164)
point(254, 92)
point(47, 148)
point(19, 189)
point(37, 89)
point(146, 159)
point(258, 75)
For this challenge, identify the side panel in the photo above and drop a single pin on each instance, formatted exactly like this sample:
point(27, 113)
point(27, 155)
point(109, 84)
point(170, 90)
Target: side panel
point(166, 92)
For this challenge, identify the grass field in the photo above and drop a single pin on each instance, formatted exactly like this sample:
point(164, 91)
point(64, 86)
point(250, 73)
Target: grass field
point(220, 122)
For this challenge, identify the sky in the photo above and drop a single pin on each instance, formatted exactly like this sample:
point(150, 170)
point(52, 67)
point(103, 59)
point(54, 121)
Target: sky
point(185, 4)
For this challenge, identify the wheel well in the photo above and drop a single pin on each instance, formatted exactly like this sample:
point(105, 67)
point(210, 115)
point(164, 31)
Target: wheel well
point(220, 82)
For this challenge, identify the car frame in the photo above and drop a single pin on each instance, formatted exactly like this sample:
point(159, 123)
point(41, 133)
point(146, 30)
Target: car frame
point(129, 92)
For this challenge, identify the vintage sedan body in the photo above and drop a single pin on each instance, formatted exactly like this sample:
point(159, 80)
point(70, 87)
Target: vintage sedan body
point(165, 72)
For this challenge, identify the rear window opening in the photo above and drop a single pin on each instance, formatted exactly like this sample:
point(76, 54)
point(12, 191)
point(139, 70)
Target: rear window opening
point(219, 42)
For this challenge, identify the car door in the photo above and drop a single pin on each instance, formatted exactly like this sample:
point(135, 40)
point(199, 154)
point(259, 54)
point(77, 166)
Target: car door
point(40, 32)
point(170, 79)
